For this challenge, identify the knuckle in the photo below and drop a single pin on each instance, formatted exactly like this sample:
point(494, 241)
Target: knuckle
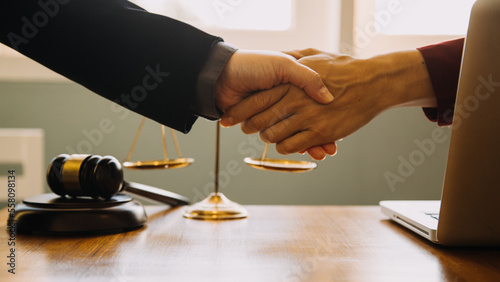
point(314, 77)
point(264, 137)
point(246, 129)
point(264, 140)
point(255, 123)
point(310, 50)
point(284, 148)
point(261, 100)
point(268, 136)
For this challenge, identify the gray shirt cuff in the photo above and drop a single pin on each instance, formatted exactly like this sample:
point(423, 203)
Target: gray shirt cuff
point(204, 103)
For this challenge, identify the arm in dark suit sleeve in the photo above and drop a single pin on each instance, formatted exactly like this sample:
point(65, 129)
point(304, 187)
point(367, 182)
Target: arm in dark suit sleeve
point(143, 61)
point(443, 64)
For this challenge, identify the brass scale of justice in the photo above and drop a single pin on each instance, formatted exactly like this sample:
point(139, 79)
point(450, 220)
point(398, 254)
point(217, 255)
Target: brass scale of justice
point(216, 206)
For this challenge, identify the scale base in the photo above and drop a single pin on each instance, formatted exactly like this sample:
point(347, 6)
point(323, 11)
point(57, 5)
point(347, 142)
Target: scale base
point(216, 207)
point(55, 215)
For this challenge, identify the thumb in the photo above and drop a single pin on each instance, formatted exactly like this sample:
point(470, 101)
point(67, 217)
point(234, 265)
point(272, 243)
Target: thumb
point(309, 80)
point(297, 54)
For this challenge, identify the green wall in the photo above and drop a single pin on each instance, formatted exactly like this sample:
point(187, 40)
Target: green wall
point(356, 175)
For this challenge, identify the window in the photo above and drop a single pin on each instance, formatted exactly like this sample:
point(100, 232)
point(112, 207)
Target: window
point(259, 24)
point(232, 14)
point(430, 17)
point(388, 25)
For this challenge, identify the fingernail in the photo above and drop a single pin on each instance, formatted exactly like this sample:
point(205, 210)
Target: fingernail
point(326, 94)
point(226, 122)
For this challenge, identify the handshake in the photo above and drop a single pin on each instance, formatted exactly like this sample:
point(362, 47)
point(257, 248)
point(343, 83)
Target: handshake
point(305, 101)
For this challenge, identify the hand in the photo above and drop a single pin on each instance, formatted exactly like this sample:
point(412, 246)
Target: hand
point(296, 123)
point(251, 71)
point(363, 89)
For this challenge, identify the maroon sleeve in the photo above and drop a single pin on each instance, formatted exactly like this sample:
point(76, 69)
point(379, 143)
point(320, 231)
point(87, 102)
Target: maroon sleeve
point(443, 64)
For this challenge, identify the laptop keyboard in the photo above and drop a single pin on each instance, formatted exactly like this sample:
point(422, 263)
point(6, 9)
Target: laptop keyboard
point(434, 215)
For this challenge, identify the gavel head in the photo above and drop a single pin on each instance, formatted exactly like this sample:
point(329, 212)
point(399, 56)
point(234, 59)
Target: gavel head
point(85, 175)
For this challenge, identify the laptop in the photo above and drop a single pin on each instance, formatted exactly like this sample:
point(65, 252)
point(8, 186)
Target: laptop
point(469, 211)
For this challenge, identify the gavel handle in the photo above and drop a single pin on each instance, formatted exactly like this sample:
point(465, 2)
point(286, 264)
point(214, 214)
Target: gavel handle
point(155, 194)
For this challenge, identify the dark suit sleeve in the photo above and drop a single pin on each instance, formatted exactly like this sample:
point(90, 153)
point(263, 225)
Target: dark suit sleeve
point(143, 61)
point(443, 64)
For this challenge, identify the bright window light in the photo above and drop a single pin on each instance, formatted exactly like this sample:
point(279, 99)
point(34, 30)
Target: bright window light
point(231, 14)
point(423, 17)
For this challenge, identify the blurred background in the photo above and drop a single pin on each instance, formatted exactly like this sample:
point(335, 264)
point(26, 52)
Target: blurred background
point(384, 160)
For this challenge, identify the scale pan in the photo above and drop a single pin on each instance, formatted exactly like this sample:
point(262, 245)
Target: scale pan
point(159, 164)
point(280, 165)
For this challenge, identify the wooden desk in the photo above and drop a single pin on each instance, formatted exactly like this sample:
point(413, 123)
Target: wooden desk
point(276, 243)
